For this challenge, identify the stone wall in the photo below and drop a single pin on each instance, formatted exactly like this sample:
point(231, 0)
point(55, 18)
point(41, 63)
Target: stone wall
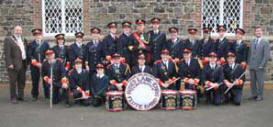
point(179, 13)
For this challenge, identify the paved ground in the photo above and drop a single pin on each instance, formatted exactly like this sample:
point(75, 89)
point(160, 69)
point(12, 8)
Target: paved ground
point(38, 114)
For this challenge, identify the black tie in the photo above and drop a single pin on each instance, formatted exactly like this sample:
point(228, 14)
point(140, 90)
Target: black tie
point(165, 64)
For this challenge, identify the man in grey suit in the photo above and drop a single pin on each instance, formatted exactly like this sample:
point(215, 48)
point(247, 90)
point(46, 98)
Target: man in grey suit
point(16, 61)
point(259, 54)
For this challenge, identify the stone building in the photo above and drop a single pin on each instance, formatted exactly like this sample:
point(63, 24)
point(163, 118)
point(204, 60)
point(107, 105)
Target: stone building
point(69, 16)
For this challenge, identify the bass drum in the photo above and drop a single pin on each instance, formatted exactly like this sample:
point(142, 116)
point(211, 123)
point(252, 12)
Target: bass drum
point(142, 92)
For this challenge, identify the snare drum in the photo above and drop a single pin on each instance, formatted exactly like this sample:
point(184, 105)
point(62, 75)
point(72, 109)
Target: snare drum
point(168, 100)
point(187, 100)
point(115, 101)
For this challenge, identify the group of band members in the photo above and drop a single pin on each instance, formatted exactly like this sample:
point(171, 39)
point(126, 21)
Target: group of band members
point(86, 72)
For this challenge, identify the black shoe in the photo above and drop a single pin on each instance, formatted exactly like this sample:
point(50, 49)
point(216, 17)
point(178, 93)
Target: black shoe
point(21, 99)
point(259, 99)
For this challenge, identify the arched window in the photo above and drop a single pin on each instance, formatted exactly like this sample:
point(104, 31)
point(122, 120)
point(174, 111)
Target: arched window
point(62, 16)
point(222, 12)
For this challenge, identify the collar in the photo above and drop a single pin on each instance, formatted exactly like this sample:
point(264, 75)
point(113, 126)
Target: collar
point(188, 61)
point(156, 31)
point(79, 71)
point(113, 35)
point(165, 62)
point(78, 44)
point(239, 41)
point(100, 76)
point(174, 40)
point(117, 65)
point(232, 65)
point(212, 65)
point(127, 34)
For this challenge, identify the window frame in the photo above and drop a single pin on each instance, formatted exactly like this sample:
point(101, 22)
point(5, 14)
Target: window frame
point(221, 17)
point(63, 20)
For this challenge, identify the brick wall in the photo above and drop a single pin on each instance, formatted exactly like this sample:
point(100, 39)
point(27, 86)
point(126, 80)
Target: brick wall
point(179, 13)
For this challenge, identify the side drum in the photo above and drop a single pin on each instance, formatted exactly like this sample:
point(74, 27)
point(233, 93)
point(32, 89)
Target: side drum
point(115, 101)
point(187, 100)
point(169, 100)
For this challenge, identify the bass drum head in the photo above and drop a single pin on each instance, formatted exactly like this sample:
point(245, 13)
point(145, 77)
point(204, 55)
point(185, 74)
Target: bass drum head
point(142, 92)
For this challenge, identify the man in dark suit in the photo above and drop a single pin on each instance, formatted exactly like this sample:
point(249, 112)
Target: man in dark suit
point(222, 46)
point(192, 42)
point(124, 47)
point(240, 48)
point(77, 49)
point(166, 71)
point(175, 45)
point(36, 53)
point(232, 73)
point(80, 83)
point(110, 41)
point(16, 61)
point(94, 50)
point(61, 50)
point(54, 74)
point(141, 42)
point(206, 45)
point(213, 79)
point(157, 38)
point(141, 67)
point(118, 73)
point(189, 70)
point(259, 54)
point(99, 84)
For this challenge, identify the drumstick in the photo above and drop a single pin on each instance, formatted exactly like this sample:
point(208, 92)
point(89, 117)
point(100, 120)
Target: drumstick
point(81, 98)
point(213, 87)
point(174, 81)
point(233, 83)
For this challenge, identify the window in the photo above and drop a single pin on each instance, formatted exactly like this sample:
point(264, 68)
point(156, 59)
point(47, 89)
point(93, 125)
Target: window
point(62, 16)
point(219, 12)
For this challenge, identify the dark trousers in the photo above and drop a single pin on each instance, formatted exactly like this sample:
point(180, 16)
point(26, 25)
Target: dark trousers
point(76, 95)
point(214, 96)
point(234, 95)
point(35, 76)
point(17, 79)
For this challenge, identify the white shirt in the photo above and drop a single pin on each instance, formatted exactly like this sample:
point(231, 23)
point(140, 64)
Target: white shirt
point(78, 44)
point(166, 63)
point(188, 62)
point(79, 71)
point(141, 68)
point(232, 66)
point(117, 65)
point(113, 36)
point(239, 42)
point(21, 45)
point(95, 42)
point(142, 37)
point(174, 41)
point(258, 40)
point(212, 66)
point(156, 31)
point(100, 76)
point(221, 39)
